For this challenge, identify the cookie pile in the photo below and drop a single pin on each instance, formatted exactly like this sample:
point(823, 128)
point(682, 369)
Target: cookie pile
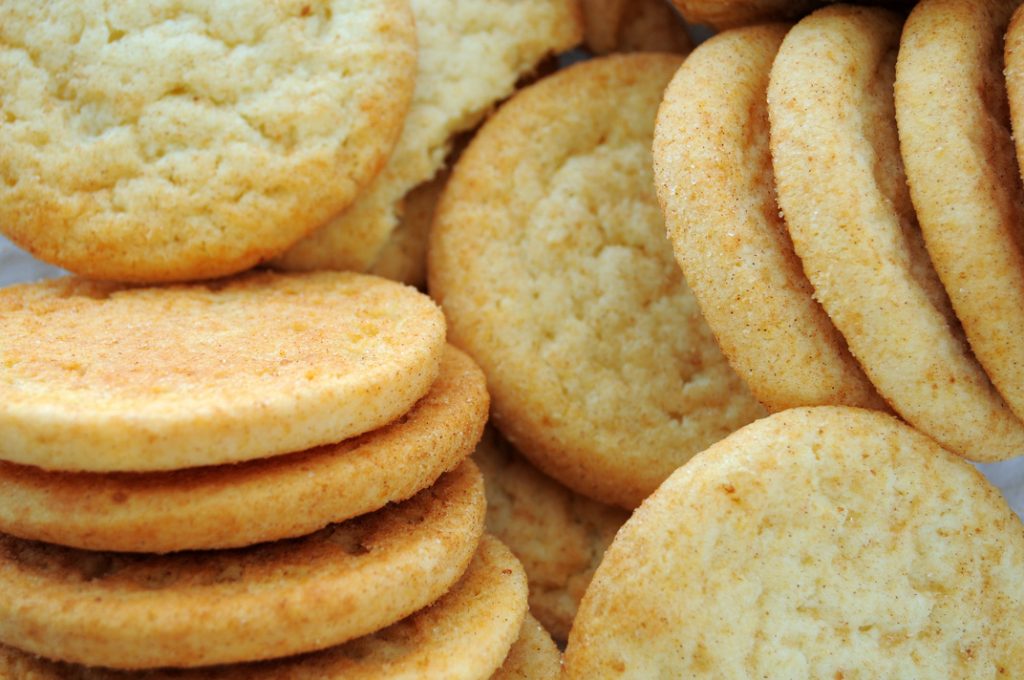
point(875, 268)
point(202, 475)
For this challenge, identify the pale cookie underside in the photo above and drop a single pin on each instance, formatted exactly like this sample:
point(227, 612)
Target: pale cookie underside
point(404, 257)
point(103, 377)
point(557, 534)
point(470, 56)
point(714, 177)
point(633, 26)
point(272, 600)
point(464, 635)
point(185, 140)
point(817, 543)
point(533, 656)
point(245, 503)
point(962, 171)
point(549, 257)
point(841, 185)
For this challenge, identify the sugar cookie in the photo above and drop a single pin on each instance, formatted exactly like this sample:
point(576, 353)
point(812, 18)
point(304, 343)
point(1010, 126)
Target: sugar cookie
point(714, 177)
point(841, 186)
point(470, 56)
point(558, 535)
point(271, 600)
point(824, 542)
point(236, 505)
point(461, 636)
point(549, 257)
point(184, 140)
point(104, 377)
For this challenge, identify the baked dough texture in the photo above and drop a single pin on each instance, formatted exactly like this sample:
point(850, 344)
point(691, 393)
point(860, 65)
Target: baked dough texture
point(842, 188)
point(105, 377)
point(228, 506)
point(633, 26)
point(558, 535)
point(958, 151)
point(824, 542)
point(534, 655)
point(179, 139)
point(471, 53)
point(271, 600)
point(549, 258)
point(460, 637)
point(713, 168)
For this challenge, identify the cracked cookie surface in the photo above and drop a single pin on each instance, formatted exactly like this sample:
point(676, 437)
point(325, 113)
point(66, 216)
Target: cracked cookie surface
point(182, 139)
point(548, 254)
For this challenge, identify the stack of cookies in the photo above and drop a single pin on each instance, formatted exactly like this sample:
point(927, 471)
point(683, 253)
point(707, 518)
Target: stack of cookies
point(270, 465)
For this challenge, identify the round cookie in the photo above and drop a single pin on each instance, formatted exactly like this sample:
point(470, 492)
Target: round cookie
point(470, 56)
point(236, 505)
point(549, 257)
point(558, 535)
point(188, 140)
point(104, 377)
point(266, 601)
point(713, 170)
point(824, 542)
point(841, 186)
point(465, 634)
point(633, 26)
point(534, 655)
point(957, 147)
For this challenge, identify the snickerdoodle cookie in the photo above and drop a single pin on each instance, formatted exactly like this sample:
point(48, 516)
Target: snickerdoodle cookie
point(825, 542)
point(266, 601)
point(106, 377)
point(842, 188)
point(548, 255)
point(713, 169)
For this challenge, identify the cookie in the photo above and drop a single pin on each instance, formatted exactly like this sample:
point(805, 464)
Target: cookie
point(958, 151)
point(470, 55)
point(558, 535)
point(229, 506)
point(266, 601)
point(534, 655)
point(481, 609)
point(825, 542)
point(104, 377)
point(404, 256)
point(722, 14)
point(189, 140)
point(841, 186)
point(633, 26)
point(549, 258)
point(713, 170)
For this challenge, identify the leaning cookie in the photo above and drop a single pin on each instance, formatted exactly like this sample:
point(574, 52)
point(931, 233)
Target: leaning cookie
point(633, 26)
point(549, 257)
point(462, 636)
point(150, 142)
point(713, 169)
point(841, 186)
point(723, 14)
point(558, 535)
point(824, 542)
point(265, 601)
point(962, 172)
point(470, 56)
